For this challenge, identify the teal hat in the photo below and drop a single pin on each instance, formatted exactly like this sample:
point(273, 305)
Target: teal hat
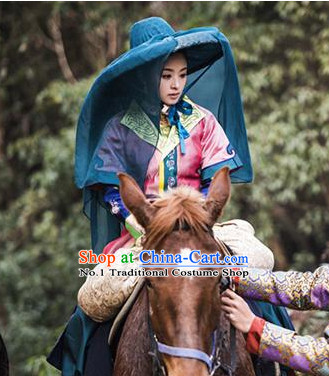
point(143, 30)
point(199, 44)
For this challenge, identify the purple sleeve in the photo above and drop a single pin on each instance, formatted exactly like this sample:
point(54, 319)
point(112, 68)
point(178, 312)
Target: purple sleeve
point(302, 353)
point(292, 289)
point(113, 198)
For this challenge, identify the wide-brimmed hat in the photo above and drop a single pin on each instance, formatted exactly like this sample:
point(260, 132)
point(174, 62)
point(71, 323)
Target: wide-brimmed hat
point(200, 45)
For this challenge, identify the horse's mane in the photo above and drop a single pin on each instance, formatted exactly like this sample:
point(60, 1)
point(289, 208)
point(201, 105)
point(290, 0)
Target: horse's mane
point(182, 206)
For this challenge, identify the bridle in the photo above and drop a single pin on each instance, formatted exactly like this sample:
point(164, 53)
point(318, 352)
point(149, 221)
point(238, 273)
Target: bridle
point(213, 361)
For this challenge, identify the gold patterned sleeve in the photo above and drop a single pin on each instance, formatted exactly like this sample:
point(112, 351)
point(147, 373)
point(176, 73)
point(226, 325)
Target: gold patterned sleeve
point(292, 289)
point(104, 292)
point(302, 353)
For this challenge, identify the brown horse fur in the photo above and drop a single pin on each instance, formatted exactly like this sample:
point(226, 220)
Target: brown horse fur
point(184, 311)
point(183, 205)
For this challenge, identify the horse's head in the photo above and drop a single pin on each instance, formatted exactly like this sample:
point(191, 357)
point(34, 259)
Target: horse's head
point(183, 310)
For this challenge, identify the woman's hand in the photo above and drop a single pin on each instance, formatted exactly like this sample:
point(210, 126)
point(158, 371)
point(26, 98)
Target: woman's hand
point(237, 311)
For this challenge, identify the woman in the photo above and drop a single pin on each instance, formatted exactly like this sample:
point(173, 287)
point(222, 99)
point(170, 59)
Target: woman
point(188, 147)
point(302, 291)
point(174, 162)
point(118, 129)
point(141, 117)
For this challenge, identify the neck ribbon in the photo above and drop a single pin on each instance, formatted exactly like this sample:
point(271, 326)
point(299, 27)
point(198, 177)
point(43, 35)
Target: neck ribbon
point(174, 120)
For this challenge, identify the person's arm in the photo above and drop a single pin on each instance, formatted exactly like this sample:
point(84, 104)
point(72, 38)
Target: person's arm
point(292, 289)
point(302, 353)
point(113, 199)
point(216, 150)
point(103, 293)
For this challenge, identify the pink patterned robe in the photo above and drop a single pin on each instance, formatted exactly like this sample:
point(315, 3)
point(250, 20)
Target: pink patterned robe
point(207, 150)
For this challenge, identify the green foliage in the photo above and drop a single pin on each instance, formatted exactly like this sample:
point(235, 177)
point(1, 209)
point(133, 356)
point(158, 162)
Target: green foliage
point(43, 230)
point(281, 50)
point(38, 366)
point(282, 53)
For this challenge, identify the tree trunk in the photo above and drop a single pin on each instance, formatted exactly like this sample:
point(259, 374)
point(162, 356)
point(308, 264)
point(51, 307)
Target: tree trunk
point(112, 40)
point(54, 26)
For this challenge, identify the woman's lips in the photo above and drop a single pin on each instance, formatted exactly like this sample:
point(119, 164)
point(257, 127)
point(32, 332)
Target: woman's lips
point(174, 96)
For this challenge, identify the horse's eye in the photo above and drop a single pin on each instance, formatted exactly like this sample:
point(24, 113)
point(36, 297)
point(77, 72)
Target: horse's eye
point(148, 283)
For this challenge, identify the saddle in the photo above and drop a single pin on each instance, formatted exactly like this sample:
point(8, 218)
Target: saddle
point(120, 318)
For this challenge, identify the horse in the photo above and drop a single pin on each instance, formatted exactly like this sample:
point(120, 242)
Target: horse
point(176, 326)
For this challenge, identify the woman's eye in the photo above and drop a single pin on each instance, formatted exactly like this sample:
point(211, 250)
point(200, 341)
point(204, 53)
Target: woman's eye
point(183, 75)
point(166, 76)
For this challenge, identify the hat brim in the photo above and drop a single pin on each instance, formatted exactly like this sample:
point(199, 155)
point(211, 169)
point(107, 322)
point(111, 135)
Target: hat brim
point(200, 46)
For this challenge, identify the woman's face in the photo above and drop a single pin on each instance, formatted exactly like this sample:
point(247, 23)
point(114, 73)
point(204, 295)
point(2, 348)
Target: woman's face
point(173, 79)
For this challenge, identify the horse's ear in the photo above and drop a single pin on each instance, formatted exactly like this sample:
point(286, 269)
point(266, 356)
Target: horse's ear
point(135, 200)
point(218, 194)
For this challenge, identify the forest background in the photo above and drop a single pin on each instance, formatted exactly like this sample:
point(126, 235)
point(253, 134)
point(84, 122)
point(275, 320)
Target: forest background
point(50, 53)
